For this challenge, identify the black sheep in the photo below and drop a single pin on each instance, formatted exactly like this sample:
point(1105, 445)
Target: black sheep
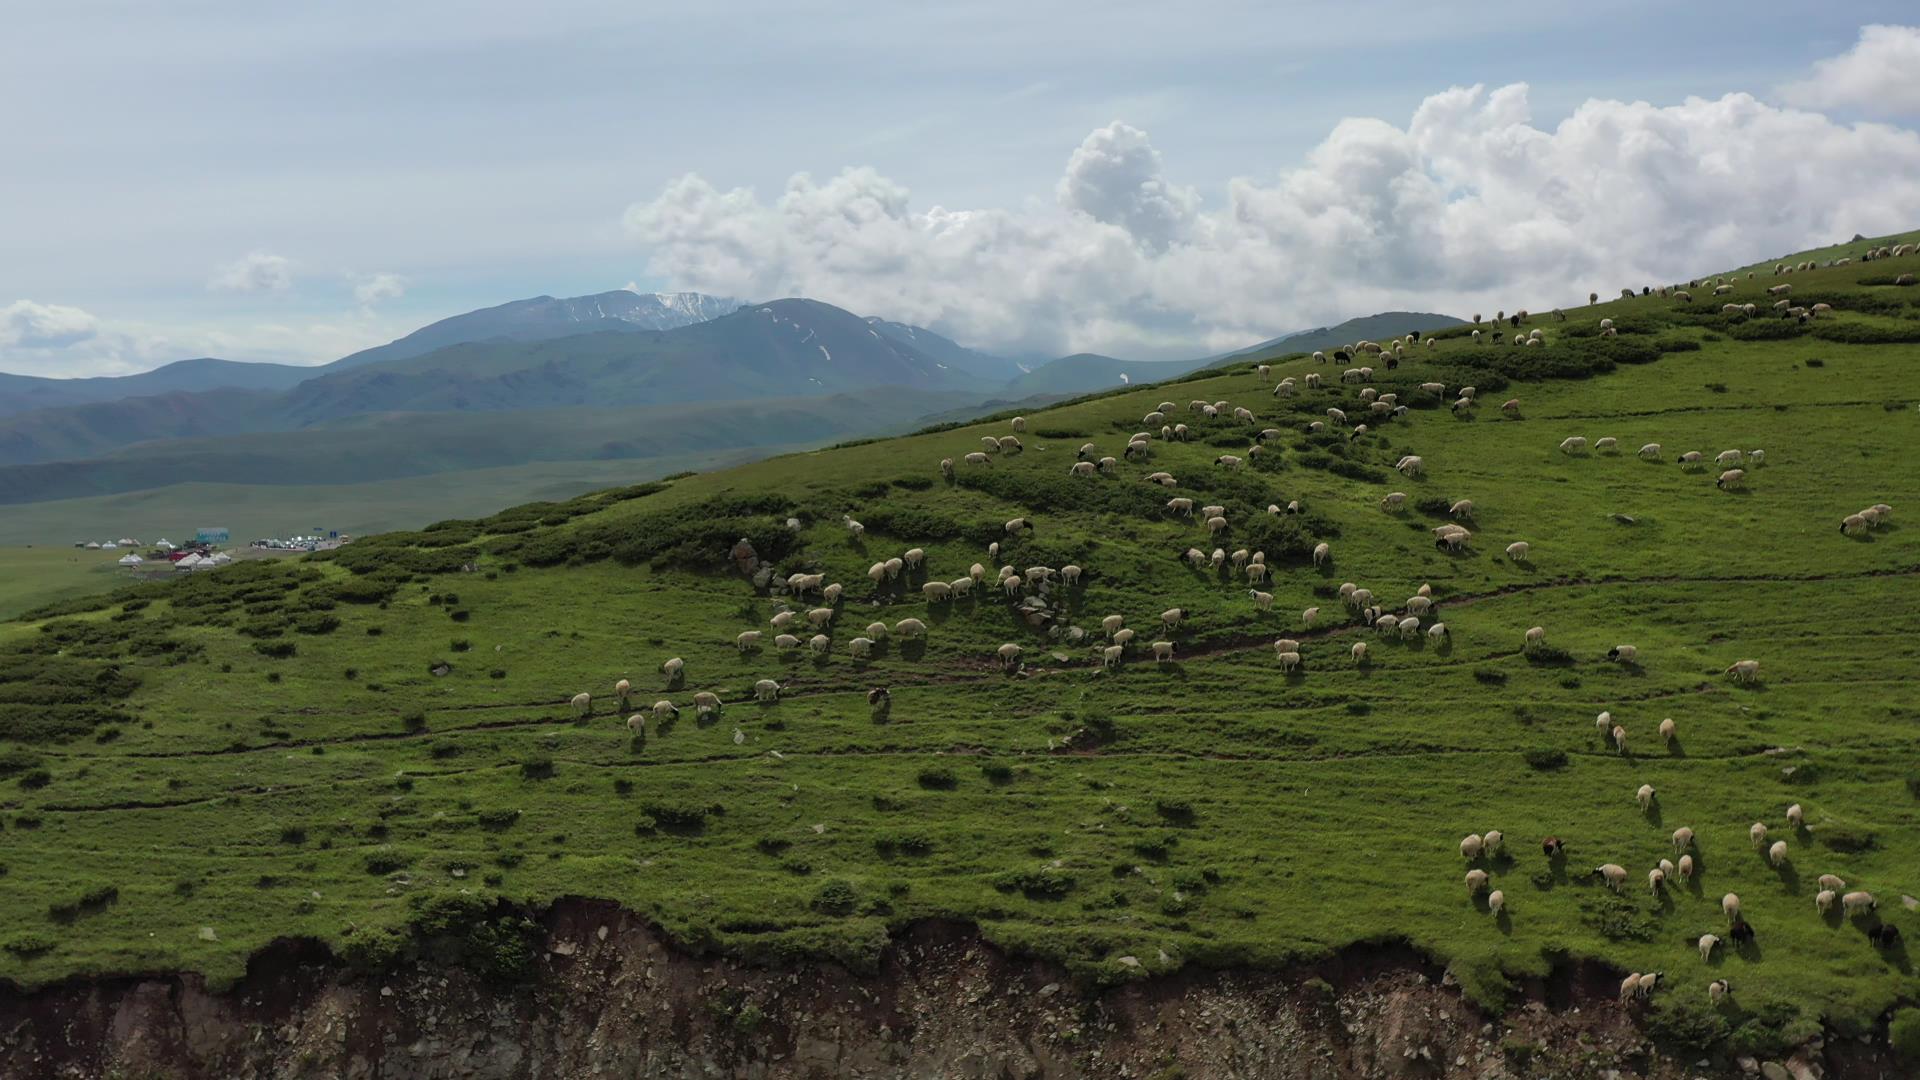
point(1742, 933)
point(1553, 847)
point(1884, 936)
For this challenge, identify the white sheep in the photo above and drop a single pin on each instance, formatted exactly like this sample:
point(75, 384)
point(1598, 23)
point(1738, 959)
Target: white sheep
point(1573, 444)
point(860, 648)
point(1667, 731)
point(622, 691)
point(1656, 880)
point(1411, 465)
point(706, 702)
point(1261, 600)
point(937, 592)
point(583, 704)
point(1517, 551)
point(1083, 468)
point(673, 668)
point(1010, 444)
point(1111, 655)
point(1707, 942)
point(961, 586)
point(976, 458)
point(1309, 616)
point(1496, 900)
point(747, 640)
point(1393, 501)
point(1163, 651)
point(782, 620)
point(637, 723)
point(819, 644)
point(1796, 817)
point(1018, 525)
point(1728, 457)
point(1650, 452)
point(1536, 635)
point(665, 710)
point(1645, 795)
point(910, 628)
point(1009, 655)
point(894, 566)
point(1321, 553)
point(1757, 835)
point(786, 642)
point(1172, 617)
point(877, 630)
point(1606, 443)
point(1228, 461)
point(766, 690)
point(1462, 509)
point(1438, 632)
point(1692, 459)
point(1730, 907)
point(1744, 670)
point(1359, 652)
point(1182, 506)
point(854, 528)
point(1289, 661)
point(1686, 868)
point(1856, 903)
point(977, 572)
point(1832, 881)
point(1409, 627)
point(1613, 874)
point(946, 467)
point(831, 594)
point(1624, 654)
point(820, 617)
point(1823, 900)
point(1419, 605)
point(1256, 573)
point(1216, 525)
point(1777, 854)
point(1472, 846)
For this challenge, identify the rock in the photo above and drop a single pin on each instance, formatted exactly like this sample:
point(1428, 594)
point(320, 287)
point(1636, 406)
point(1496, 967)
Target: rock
point(1911, 903)
point(207, 934)
point(1773, 1070)
point(601, 933)
point(1049, 990)
point(565, 948)
point(1128, 961)
point(1747, 1065)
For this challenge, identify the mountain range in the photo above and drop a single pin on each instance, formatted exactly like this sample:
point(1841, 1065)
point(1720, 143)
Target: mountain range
point(611, 376)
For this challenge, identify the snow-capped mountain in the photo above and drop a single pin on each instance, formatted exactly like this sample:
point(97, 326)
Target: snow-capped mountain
point(542, 318)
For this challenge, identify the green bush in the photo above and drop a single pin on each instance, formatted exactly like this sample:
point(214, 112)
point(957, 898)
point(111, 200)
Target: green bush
point(1684, 1024)
point(1042, 884)
point(275, 650)
point(937, 778)
point(1545, 760)
point(1903, 1032)
point(835, 897)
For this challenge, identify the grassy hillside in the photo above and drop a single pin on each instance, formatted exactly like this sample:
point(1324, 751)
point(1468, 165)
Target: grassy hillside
point(354, 746)
point(35, 577)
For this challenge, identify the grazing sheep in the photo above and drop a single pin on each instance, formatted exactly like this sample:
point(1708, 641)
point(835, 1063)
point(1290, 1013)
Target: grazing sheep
point(1385, 624)
point(1832, 881)
point(1682, 838)
point(1289, 661)
point(1517, 551)
point(1606, 443)
point(673, 668)
point(946, 467)
point(820, 644)
point(1692, 458)
point(1010, 444)
point(1123, 637)
point(1853, 524)
point(1731, 479)
point(1645, 795)
point(1438, 632)
point(784, 619)
point(1730, 907)
point(1667, 731)
point(1573, 444)
point(1757, 834)
point(622, 691)
point(1536, 635)
point(937, 592)
point(1216, 525)
point(1261, 600)
point(961, 586)
point(1009, 655)
point(1656, 880)
point(1359, 652)
point(1393, 501)
point(786, 642)
point(1172, 617)
point(877, 630)
point(1717, 990)
point(1472, 847)
point(894, 566)
point(665, 710)
point(1650, 452)
point(820, 617)
point(1603, 723)
point(583, 704)
point(747, 640)
point(860, 648)
point(1419, 604)
point(1476, 882)
point(1629, 987)
point(1111, 655)
point(1227, 461)
point(1744, 670)
point(1083, 468)
point(1070, 574)
point(1553, 847)
point(854, 528)
point(706, 702)
point(1163, 651)
point(1728, 457)
point(1796, 817)
point(1686, 868)
point(909, 628)
point(766, 690)
point(1309, 616)
point(975, 458)
point(1777, 854)
point(1612, 874)
point(1112, 624)
point(1411, 465)
point(1409, 627)
point(1707, 942)
point(1181, 506)
point(1018, 423)
point(977, 572)
point(1624, 654)
point(1018, 525)
point(1321, 553)
point(831, 594)
point(1462, 509)
point(1859, 903)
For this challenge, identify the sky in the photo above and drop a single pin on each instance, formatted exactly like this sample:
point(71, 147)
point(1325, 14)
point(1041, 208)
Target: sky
point(270, 183)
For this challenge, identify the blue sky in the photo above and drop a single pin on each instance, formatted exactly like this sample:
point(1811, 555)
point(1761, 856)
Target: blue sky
point(479, 152)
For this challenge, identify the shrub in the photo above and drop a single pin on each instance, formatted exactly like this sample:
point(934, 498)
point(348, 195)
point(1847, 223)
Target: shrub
point(386, 861)
point(1903, 1032)
point(1177, 810)
point(997, 772)
point(34, 779)
point(460, 644)
point(1490, 676)
point(1042, 884)
point(835, 897)
point(903, 843)
point(1845, 838)
point(414, 722)
point(1549, 656)
point(685, 817)
point(1684, 1024)
point(938, 778)
point(275, 650)
point(28, 946)
point(293, 834)
point(1545, 760)
point(536, 769)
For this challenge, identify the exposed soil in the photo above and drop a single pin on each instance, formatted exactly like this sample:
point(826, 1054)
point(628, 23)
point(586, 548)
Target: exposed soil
point(615, 999)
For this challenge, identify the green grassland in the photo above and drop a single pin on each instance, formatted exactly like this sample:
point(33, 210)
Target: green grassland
point(196, 770)
point(34, 577)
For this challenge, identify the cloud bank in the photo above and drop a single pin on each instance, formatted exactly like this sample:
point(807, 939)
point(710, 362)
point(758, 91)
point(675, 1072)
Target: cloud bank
point(1468, 206)
point(374, 288)
point(25, 324)
point(1880, 74)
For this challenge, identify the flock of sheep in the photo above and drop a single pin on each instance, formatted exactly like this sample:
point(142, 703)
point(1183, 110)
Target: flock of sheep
point(1403, 623)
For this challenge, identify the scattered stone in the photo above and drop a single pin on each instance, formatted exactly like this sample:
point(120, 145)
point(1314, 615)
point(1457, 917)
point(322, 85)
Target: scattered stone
point(1128, 961)
point(1773, 1070)
point(207, 934)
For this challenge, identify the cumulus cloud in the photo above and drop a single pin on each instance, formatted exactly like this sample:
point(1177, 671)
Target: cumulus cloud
point(374, 288)
point(1114, 177)
point(257, 271)
point(25, 324)
point(1880, 74)
point(1469, 206)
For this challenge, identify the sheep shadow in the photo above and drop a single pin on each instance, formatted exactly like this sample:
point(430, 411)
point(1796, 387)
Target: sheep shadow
point(1789, 879)
point(1654, 815)
point(1834, 917)
point(1750, 950)
point(857, 543)
point(1504, 923)
point(912, 649)
point(1445, 648)
point(704, 720)
point(1676, 748)
point(1663, 902)
point(677, 680)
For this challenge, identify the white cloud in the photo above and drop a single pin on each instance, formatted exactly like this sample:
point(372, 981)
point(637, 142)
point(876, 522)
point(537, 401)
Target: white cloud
point(377, 287)
point(1468, 207)
point(25, 324)
point(256, 271)
point(1114, 177)
point(1880, 74)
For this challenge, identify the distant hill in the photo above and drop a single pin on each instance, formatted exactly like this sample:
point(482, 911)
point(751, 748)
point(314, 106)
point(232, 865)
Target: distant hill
point(25, 393)
point(544, 317)
point(954, 356)
point(1085, 372)
point(388, 446)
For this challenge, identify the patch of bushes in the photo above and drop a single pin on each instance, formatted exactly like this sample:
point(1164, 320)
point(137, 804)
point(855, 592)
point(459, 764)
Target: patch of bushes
point(1041, 884)
point(1683, 1024)
point(835, 897)
point(681, 817)
point(536, 769)
point(1175, 810)
point(1852, 333)
point(1545, 760)
point(386, 861)
point(91, 902)
point(1616, 918)
point(915, 844)
point(1549, 656)
point(1845, 838)
point(28, 946)
point(937, 778)
point(1490, 676)
point(275, 650)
